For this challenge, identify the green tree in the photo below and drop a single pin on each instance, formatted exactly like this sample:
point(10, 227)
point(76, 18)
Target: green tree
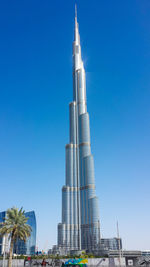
point(15, 226)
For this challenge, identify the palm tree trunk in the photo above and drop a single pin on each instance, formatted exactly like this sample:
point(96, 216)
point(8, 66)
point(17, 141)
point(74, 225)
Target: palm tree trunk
point(10, 253)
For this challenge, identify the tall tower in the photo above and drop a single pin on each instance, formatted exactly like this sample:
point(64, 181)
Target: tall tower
point(80, 228)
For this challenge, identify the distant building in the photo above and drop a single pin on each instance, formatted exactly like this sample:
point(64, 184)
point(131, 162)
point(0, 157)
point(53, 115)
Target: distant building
point(146, 253)
point(49, 252)
point(111, 243)
point(53, 250)
point(2, 217)
point(28, 248)
point(4, 241)
point(20, 247)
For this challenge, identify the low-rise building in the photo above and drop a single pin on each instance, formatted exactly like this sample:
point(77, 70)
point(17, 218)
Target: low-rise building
point(111, 243)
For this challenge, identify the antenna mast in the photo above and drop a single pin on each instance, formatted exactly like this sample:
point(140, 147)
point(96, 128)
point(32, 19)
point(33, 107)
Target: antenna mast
point(119, 244)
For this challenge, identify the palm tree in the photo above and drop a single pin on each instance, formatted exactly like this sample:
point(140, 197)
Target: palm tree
point(15, 226)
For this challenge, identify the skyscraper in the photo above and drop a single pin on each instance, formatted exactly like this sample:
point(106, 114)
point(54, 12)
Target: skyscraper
point(80, 227)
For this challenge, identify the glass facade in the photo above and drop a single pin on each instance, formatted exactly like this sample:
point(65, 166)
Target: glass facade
point(28, 248)
point(2, 219)
point(80, 228)
point(20, 247)
point(111, 243)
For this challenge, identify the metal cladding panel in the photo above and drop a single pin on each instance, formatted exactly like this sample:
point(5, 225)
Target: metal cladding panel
point(81, 108)
point(95, 236)
point(84, 151)
point(76, 237)
point(84, 128)
point(86, 242)
point(81, 85)
point(72, 112)
point(81, 99)
point(69, 166)
point(71, 207)
point(71, 238)
point(86, 205)
point(94, 210)
point(76, 58)
point(91, 193)
point(61, 234)
point(75, 90)
point(86, 194)
point(75, 170)
point(75, 207)
point(65, 205)
point(82, 205)
point(67, 236)
point(88, 170)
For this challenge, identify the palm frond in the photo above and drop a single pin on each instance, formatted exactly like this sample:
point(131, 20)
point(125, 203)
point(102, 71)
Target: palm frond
point(15, 224)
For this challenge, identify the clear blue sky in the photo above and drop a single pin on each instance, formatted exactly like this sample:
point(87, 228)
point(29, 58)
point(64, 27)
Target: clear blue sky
point(35, 90)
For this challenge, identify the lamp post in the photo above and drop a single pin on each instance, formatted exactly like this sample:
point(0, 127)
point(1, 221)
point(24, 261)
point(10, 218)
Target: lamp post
point(4, 257)
point(3, 244)
point(119, 244)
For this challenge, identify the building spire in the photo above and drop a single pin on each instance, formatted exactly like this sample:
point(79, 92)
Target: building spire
point(76, 37)
point(76, 11)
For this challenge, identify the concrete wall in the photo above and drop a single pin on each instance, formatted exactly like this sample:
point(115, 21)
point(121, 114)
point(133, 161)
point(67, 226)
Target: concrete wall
point(112, 262)
point(16, 263)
